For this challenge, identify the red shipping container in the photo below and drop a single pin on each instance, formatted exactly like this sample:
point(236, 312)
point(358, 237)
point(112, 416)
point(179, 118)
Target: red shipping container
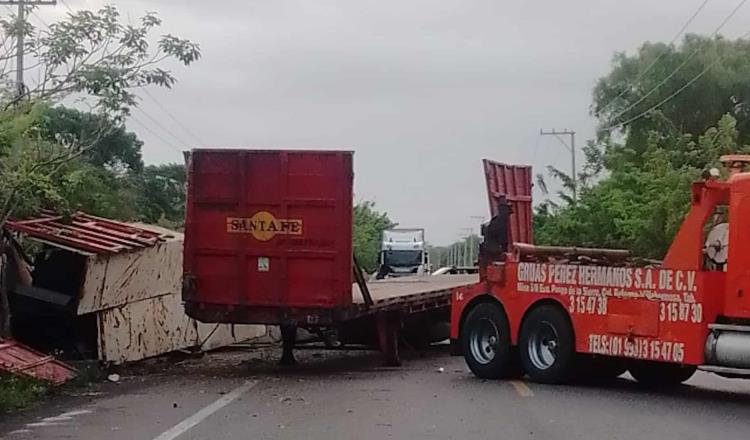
point(267, 232)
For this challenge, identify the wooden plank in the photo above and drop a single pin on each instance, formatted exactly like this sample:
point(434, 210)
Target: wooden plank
point(393, 290)
point(153, 326)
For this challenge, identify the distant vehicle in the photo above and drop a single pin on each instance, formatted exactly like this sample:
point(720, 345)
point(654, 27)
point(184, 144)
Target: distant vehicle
point(403, 253)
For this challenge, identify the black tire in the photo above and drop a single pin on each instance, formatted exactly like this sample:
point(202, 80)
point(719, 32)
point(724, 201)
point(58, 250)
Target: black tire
point(514, 369)
point(485, 341)
point(547, 345)
point(660, 374)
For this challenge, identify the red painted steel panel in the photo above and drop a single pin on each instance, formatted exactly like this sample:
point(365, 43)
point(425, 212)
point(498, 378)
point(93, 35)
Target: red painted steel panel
point(18, 359)
point(514, 183)
point(85, 233)
point(268, 229)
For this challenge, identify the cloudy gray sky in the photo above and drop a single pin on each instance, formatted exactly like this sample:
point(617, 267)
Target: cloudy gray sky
point(422, 90)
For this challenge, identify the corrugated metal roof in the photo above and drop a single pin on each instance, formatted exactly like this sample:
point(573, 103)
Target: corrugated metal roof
point(19, 359)
point(85, 233)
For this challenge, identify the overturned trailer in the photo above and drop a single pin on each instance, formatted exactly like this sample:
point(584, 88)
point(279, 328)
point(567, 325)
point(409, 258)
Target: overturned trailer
point(108, 290)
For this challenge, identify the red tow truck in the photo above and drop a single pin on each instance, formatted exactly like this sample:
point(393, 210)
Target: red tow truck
point(558, 312)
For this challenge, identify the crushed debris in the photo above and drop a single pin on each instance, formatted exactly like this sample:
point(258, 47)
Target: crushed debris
point(106, 290)
point(18, 359)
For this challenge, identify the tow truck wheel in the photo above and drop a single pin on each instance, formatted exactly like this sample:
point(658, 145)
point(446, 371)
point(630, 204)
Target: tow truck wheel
point(660, 374)
point(546, 345)
point(485, 340)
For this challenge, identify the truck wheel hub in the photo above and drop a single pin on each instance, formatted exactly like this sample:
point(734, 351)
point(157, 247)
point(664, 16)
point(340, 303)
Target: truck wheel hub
point(542, 346)
point(483, 341)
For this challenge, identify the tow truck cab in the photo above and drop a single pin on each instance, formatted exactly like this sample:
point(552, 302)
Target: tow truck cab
point(560, 312)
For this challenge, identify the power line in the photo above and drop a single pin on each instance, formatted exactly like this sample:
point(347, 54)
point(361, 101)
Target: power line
point(572, 149)
point(41, 20)
point(661, 55)
point(677, 92)
point(157, 135)
point(165, 129)
point(64, 3)
point(168, 113)
point(21, 17)
point(683, 64)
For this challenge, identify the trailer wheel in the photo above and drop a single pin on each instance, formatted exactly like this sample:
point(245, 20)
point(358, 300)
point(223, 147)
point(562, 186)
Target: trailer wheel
point(546, 345)
point(485, 340)
point(660, 374)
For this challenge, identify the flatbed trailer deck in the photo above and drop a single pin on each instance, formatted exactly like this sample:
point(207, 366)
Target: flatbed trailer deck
point(268, 240)
point(406, 295)
point(411, 290)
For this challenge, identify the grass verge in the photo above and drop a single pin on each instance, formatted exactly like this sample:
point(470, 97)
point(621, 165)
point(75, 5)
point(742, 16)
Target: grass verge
point(18, 393)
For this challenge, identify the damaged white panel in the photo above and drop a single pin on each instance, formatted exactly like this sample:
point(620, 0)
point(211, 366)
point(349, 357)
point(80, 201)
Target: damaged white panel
point(112, 280)
point(219, 335)
point(159, 325)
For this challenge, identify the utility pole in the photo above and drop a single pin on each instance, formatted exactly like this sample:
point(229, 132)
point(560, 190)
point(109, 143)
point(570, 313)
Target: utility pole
point(475, 246)
point(20, 34)
point(571, 148)
point(466, 246)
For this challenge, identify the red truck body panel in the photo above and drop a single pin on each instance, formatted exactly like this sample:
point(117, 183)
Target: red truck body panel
point(267, 229)
point(656, 314)
point(512, 182)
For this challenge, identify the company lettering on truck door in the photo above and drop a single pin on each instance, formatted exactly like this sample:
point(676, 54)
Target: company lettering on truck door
point(590, 287)
point(263, 226)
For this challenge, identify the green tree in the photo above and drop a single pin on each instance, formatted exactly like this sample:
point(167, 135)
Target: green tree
point(93, 55)
point(161, 193)
point(642, 163)
point(638, 206)
point(99, 60)
point(627, 92)
point(115, 149)
point(368, 227)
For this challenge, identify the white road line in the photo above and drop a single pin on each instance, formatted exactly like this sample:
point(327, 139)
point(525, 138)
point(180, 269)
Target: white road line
point(57, 419)
point(522, 389)
point(185, 425)
point(42, 424)
point(79, 412)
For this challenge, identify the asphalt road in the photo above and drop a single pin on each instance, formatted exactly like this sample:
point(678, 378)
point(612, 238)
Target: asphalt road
point(346, 396)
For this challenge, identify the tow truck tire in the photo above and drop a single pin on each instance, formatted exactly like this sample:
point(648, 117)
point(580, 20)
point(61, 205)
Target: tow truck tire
point(547, 345)
point(485, 341)
point(660, 374)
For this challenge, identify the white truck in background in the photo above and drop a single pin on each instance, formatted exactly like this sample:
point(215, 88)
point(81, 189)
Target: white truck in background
point(403, 252)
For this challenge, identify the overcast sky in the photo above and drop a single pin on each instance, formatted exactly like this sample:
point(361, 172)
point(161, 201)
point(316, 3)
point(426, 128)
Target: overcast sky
point(422, 90)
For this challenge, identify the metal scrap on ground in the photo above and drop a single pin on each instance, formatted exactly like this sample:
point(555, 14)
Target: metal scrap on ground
point(18, 359)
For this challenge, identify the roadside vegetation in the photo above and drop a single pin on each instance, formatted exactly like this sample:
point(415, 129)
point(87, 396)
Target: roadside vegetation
point(655, 137)
point(63, 141)
point(18, 393)
point(368, 227)
point(65, 158)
